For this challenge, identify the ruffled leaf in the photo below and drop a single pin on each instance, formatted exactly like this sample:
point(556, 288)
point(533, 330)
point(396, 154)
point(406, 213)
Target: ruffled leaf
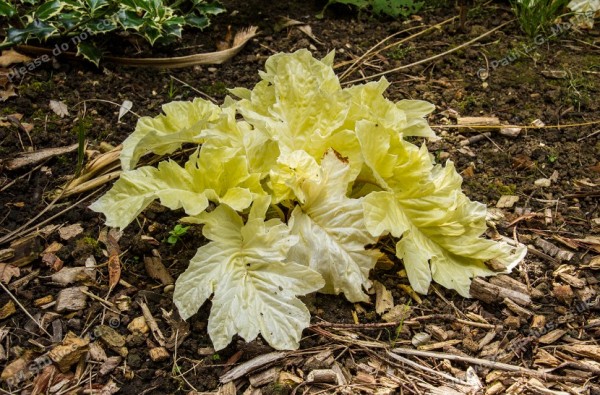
point(220, 176)
point(182, 122)
point(245, 267)
point(438, 226)
point(332, 232)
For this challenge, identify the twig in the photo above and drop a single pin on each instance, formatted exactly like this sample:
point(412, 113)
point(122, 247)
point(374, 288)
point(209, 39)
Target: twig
point(475, 138)
point(486, 363)
point(432, 57)
point(24, 309)
point(251, 365)
point(156, 332)
point(565, 126)
point(371, 53)
point(109, 305)
point(105, 101)
point(367, 326)
point(589, 135)
point(426, 368)
point(19, 231)
point(194, 89)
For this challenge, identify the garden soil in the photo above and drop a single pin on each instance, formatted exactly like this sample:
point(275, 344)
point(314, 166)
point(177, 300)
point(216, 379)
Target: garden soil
point(552, 173)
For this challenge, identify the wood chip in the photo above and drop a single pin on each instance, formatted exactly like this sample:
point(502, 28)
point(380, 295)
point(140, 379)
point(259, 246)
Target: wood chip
point(480, 122)
point(323, 376)
point(437, 332)
point(552, 336)
point(554, 74)
point(512, 322)
point(16, 371)
point(110, 336)
point(538, 322)
point(71, 299)
point(25, 250)
point(487, 339)
point(138, 325)
point(544, 358)
point(572, 280)
point(51, 260)
point(159, 354)
point(230, 389)
point(43, 300)
point(7, 310)
point(111, 364)
point(507, 201)
point(96, 352)
point(69, 352)
point(494, 293)
point(564, 293)
point(265, 377)
point(435, 346)
point(515, 308)
point(510, 131)
point(587, 350)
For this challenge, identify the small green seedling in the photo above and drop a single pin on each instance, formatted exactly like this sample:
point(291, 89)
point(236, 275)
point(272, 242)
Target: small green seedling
point(176, 233)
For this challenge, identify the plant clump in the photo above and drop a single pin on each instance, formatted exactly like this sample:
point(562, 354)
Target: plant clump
point(306, 176)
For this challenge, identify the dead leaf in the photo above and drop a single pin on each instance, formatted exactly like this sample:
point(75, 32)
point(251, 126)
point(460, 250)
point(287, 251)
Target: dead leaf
point(398, 313)
point(110, 388)
point(5, 94)
point(522, 162)
point(306, 29)
point(114, 263)
point(226, 42)
point(10, 57)
point(468, 172)
point(7, 272)
point(69, 275)
point(384, 300)
point(59, 108)
point(68, 232)
point(52, 261)
point(125, 108)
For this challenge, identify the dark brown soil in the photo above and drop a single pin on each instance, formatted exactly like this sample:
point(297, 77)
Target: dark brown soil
point(517, 93)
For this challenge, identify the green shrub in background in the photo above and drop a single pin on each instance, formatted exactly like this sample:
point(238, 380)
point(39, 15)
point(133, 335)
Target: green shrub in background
point(155, 20)
point(535, 16)
point(393, 8)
